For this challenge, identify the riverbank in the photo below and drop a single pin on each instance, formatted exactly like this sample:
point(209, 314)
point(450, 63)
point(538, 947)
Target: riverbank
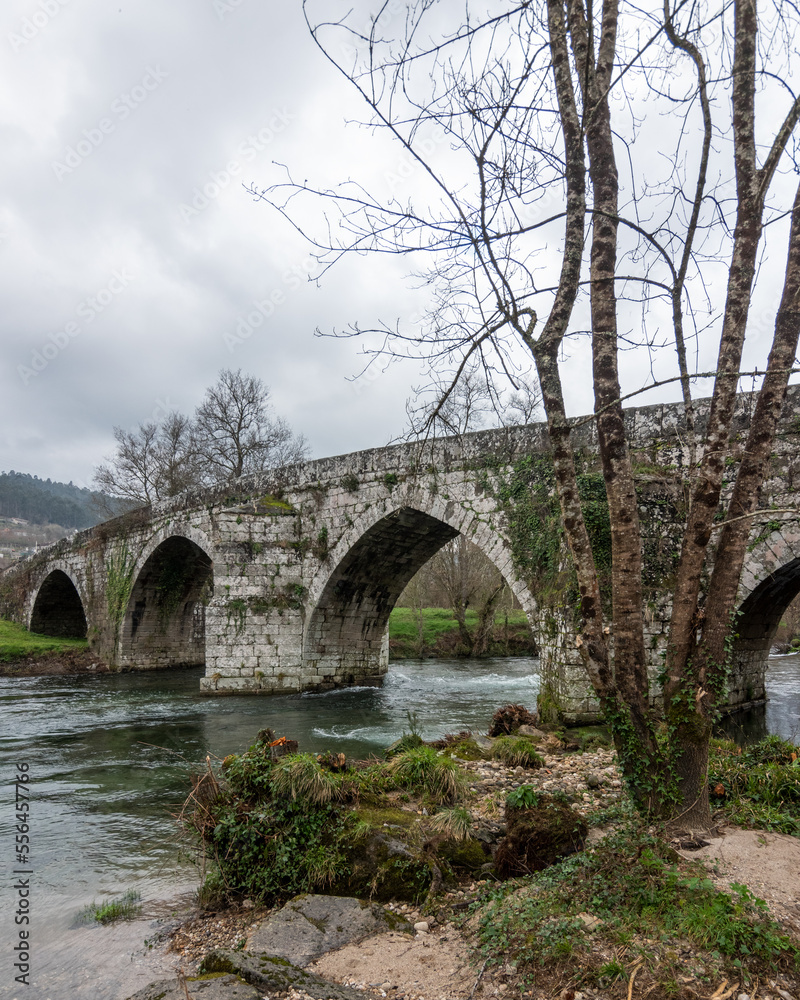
point(57, 663)
point(482, 939)
point(416, 633)
point(26, 654)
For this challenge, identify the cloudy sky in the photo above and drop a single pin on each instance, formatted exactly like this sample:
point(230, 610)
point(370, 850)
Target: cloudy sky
point(134, 264)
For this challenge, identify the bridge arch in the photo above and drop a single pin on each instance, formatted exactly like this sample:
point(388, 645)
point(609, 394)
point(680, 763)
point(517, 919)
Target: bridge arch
point(349, 603)
point(164, 620)
point(759, 616)
point(58, 608)
point(770, 581)
point(761, 612)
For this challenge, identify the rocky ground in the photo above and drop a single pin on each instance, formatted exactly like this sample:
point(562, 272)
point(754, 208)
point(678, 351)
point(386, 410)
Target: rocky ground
point(437, 961)
point(592, 778)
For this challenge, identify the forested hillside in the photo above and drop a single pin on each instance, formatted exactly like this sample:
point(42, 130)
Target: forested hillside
point(41, 501)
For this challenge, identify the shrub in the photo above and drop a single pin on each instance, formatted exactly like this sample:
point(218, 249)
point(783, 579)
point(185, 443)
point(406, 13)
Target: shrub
point(509, 718)
point(269, 827)
point(634, 884)
point(455, 824)
point(758, 786)
point(423, 770)
point(408, 741)
point(301, 776)
point(524, 797)
point(275, 827)
point(516, 751)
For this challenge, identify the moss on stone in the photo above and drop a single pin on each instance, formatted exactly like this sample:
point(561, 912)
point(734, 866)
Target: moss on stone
point(468, 855)
point(401, 878)
point(380, 816)
point(464, 750)
point(275, 506)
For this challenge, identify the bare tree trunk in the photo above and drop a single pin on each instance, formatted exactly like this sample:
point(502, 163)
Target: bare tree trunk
point(630, 719)
point(687, 697)
point(712, 653)
point(732, 546)
point(483, 632)
point(460, 615)
point(594, 649)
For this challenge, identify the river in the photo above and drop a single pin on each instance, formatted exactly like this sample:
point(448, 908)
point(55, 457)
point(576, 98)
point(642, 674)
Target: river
point(109, 760)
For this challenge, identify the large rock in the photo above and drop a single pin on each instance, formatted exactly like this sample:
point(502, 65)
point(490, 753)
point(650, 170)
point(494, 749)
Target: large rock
point(531, 731)
point(309, 926)
point(270, 974)
point(216, 988)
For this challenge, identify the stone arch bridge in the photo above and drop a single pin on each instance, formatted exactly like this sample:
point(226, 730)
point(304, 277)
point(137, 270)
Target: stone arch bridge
point(284, 582)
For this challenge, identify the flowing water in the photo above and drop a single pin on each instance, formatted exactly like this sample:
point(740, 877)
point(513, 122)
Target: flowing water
point(109, 759)
point(781, 714)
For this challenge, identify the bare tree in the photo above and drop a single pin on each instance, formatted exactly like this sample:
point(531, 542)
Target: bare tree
point(470, 405)
point(466, 579)
point(234, 431)
point(237, 431)
point(147, 464)
point(180, 466)
point(524, 404)
point(534, 127)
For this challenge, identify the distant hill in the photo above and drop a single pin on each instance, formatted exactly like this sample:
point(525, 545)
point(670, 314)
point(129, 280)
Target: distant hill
point(41, 501)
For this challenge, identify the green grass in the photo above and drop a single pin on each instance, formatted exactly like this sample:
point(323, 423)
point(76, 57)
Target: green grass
point(646, 899)
point(124, 907)
point(421, 769)
point(438, 623)
point(757, 786)
point(516, 751)
point(17, 643)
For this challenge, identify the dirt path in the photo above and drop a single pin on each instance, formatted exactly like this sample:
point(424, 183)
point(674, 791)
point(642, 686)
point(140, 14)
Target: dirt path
point(430, 965)
point(767, 863)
